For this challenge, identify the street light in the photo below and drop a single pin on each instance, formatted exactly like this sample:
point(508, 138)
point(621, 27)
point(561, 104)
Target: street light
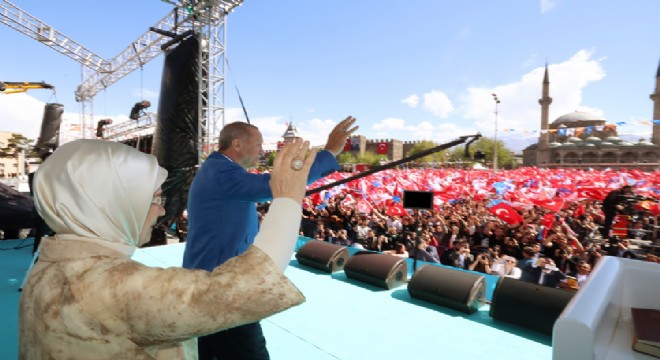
point(497, 101)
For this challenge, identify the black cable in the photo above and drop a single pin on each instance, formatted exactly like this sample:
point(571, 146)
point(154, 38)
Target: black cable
point(240, 99)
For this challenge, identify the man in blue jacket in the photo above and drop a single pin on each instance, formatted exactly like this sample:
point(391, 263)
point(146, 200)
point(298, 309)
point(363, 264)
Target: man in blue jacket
point(223, 221)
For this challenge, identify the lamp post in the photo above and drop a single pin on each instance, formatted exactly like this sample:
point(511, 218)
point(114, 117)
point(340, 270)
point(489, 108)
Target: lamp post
point(497, 101)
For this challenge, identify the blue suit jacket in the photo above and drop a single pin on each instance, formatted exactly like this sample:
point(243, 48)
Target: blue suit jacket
point(222, 215)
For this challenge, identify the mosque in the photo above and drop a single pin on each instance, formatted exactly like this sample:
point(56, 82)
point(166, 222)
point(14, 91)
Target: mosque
point(583, 140)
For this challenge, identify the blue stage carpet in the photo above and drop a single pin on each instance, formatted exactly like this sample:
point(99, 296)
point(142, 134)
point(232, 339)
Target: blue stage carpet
point(341, 319)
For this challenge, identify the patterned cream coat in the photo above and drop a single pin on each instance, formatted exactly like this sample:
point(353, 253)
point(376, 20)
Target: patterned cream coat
point(86, 299)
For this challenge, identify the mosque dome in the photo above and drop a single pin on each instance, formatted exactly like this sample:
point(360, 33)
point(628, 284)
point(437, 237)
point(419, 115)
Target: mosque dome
point(593, 139)
point(613, 139)
point(585, 144)
point(644, 142)
point(606, 144)
point(574, 140)
point(625, 143)
point(575, 117)
point(555, 144)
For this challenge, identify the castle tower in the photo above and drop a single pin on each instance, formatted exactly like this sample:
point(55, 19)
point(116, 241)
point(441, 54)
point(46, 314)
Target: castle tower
point(655, 97)
point(543, 151)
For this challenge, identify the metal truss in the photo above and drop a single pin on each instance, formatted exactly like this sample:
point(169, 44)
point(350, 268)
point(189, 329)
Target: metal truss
point(130, 129)
point(212, 89)
point(29, 25)
point(206, 18)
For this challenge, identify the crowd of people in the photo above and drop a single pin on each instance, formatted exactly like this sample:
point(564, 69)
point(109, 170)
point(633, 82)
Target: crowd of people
point(552, 249)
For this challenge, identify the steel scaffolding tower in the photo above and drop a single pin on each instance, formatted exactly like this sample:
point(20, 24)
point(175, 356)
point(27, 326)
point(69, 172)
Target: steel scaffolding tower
point(205, 18)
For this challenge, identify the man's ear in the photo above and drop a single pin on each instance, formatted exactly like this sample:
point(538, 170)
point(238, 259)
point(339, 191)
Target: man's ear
point(236, 144)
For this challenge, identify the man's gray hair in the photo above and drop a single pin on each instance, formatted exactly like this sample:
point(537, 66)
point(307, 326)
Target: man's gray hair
point(235, 130)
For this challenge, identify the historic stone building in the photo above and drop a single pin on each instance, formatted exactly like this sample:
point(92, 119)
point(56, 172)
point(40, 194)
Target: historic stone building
point(392, 148)
point(582, 140)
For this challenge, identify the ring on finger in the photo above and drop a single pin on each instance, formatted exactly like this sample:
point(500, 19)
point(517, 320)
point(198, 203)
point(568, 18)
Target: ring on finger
point(297, 164)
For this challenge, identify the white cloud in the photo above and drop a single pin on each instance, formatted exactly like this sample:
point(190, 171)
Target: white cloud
point(21, 113)
point(411, 100)
point(438, 104)
point(519, 109)
point(389, 124)
point(423, 130)
point(547, 5)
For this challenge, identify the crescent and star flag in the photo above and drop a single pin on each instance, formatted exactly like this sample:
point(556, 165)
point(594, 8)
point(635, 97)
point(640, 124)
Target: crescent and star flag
point(506, 213)
point(592, 193)
point(396, 209)
point(382, 148)
point(553, 205)
point(363, 206)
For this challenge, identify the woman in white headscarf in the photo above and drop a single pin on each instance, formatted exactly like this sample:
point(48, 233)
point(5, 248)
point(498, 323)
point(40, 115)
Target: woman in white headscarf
point(86, 299)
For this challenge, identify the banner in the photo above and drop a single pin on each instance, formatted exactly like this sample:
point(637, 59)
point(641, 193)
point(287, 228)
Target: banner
point(382, 148)
point(506, 213)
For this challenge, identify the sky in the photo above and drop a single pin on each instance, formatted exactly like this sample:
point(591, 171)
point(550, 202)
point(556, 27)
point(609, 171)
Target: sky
point(413, 70)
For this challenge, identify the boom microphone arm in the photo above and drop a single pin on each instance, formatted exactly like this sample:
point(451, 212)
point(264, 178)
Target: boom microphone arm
point(380, 168)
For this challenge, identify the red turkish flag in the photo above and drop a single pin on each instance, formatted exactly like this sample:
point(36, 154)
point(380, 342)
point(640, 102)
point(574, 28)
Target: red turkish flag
point(548, 220)
point(280, 145)
point(395, 209)
point(347, 145)
point(553, 205)
point(592, 193)
point(655, 210)
point(647, 205)
point(580, 210)
point(506, 213)
point(382, 148)
point(363, 206)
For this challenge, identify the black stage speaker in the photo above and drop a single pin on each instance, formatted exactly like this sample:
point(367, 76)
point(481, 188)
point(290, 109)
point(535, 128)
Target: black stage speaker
point(532, 306)
point(382, 270)
point(323, 256)
point(49, 136)
point(455, 289)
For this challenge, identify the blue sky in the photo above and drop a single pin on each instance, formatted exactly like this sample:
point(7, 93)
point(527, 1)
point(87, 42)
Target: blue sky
point(420, 69)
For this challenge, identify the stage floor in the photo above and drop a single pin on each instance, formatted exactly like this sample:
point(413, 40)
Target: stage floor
point(341, 319)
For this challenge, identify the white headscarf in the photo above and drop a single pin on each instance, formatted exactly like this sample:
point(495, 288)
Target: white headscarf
point(97, 190)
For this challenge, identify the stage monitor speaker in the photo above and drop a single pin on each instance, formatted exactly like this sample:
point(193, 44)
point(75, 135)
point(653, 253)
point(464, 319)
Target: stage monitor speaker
point(382, 270)
point(532, 306)
point(323, 256)
point(49, 136)
point(459, 290)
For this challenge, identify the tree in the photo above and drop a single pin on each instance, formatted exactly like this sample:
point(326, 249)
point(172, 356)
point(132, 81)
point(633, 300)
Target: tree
point(346, 158)
point(439, 156)
point(271, 158)
point(370, 158)
point(505, 157)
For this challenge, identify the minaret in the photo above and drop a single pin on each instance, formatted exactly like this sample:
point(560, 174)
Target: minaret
point(655, 97)
point(543, 150)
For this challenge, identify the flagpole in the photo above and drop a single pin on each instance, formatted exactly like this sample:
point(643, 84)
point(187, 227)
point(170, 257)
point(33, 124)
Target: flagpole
point(497, 101)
